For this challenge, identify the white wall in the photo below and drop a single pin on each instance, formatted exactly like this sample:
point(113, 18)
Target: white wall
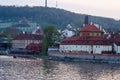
point(117, 48)
point(68, 33)
point(75, 48)
point(19, 44)
point(23, 43)
point(95, 48)
point(53, 49)
point(99, 48)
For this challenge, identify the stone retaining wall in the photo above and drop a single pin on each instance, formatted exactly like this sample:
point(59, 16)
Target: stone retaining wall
point(103, 57)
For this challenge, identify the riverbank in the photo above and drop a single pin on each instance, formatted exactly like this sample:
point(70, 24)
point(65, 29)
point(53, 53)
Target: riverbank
point(57, 56)
point(99, 58)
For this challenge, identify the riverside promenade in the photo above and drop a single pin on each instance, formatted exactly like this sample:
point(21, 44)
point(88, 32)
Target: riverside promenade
point(108, 58)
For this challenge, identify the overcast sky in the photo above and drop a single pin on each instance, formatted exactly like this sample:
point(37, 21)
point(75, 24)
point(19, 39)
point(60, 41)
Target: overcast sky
point(105, 8)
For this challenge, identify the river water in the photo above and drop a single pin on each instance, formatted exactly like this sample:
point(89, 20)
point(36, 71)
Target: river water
point(38, 69)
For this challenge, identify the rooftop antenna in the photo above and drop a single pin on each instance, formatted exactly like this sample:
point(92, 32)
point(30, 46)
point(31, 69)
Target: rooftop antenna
point(45, 3)
point(56, 4)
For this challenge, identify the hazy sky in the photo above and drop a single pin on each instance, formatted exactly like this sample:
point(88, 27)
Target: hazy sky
point(106, 8)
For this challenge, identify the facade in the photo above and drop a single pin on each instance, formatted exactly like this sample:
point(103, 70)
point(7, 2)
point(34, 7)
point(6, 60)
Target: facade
point(116, 44)
point(91, 40)
point(37, 30)
point(53, 49)
point(23, 40)
point(117, 48)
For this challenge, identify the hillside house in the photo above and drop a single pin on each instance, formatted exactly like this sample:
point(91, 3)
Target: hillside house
point(68, 32)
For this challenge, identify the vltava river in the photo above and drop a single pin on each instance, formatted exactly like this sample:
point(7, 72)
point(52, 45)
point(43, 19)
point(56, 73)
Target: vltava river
point(37, 69)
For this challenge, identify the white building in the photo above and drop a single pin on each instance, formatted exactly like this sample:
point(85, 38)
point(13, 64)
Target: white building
point(91, 40)
point(37, 30)
point(116, 44)
point(69, 31)
point(117, 48)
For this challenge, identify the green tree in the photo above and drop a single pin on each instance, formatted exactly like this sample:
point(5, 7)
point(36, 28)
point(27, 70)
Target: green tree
point(51, 35)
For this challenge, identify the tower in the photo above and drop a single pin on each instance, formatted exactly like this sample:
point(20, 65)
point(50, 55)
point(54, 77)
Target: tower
point(45, 3)
point(86, 20)
point(56, 4)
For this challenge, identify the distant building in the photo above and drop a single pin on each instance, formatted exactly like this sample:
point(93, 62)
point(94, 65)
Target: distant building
point(24, 41)
point(37, 30)
point(68, 32)
point(45, 3)
point(24, 25)
point(91, 40)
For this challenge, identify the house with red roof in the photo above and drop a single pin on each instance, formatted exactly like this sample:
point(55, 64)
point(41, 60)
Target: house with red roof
point(90, 40)
point(27, 41)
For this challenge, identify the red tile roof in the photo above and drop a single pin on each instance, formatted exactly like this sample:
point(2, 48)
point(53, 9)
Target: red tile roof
point(85, 38)
point(118, 36)
point(28, 37)
point(85, 41)
point(90, 28)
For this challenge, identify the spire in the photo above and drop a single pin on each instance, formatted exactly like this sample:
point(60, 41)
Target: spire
point(86, 20)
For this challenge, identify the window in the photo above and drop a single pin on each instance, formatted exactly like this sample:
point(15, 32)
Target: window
point(95, 34)
point(92, 34)
point(88, 34)
point(99, 46)
point(80, 34)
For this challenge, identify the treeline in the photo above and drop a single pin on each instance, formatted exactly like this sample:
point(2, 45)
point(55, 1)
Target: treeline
point(53, 16)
